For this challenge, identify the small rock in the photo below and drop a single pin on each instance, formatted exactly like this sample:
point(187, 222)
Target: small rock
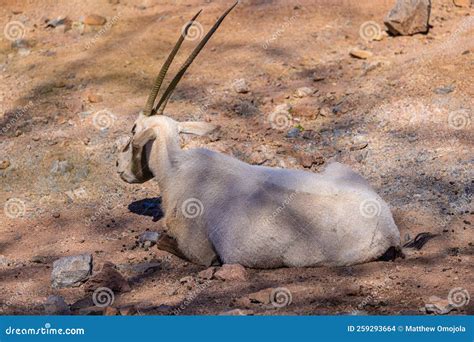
point(140, 268)
point(462, 3)
point(4, 262)
point(94, 98)
point(361, 54)
point(4, 164)
point(91, 311)
point(61, 167)
point(56, 215)
point(128, 310)
point(108, 277)
point(262, 296)
point(438, 306)
point(304, 91)
point(444, 90)
point(148, 239)
point(241, 86)
point(236, 312)
point(39, 259)
point(71, 271)
point(56, 305)
point(310, 134)
point(207, 273)
point(231, 272)
point(318, 78)
point(409, 17)
point(187, 279)
point(24, 52)
point(94, 20)
point(20, 44)
point(111, 311)
point(308, 159)
point(293, 133)
point(56, 22)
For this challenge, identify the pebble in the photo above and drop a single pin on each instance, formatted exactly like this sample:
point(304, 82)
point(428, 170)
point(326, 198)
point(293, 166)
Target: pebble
point(444, 90)
point(231, 272)
point(293, 133)
point(94, 98)
point(148, 239)
point(236, 312)
point(241, 86)
point(304, 92)
point(207, 273)
point(4, 164)
point(71, 271)
point(94, 20)
point(56, 305)
point(438, 306)
point(361, 54)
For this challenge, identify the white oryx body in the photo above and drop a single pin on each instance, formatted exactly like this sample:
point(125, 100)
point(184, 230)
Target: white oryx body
point(218, 208)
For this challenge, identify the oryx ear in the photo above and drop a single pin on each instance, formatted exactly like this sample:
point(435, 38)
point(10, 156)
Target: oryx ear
point(197, 127)
point(140, 139)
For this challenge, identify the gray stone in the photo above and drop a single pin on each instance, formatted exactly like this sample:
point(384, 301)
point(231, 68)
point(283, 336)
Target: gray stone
point(293, 133)
point(444, 90)
point(148, 238)
point(71, 271)
point(56, 305)
point(236, 312)
point(409, 17)
point(61, 167)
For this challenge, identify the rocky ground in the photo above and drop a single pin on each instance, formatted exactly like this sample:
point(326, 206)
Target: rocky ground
point(396, 109)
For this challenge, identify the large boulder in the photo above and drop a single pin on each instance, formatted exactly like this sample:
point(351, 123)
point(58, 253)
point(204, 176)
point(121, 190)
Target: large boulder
point(409, 17)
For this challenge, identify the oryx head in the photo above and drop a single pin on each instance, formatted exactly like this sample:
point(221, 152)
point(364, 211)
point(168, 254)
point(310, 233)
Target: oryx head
point(133, 162)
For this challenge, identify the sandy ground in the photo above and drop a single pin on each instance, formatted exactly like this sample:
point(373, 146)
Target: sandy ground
point(402, 118)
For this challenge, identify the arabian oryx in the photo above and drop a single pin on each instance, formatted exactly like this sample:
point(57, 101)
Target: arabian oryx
point(221, 210)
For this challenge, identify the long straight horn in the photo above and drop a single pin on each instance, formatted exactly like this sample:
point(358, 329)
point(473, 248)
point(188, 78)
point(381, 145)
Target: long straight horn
point(161, 76)
point(160, 107)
